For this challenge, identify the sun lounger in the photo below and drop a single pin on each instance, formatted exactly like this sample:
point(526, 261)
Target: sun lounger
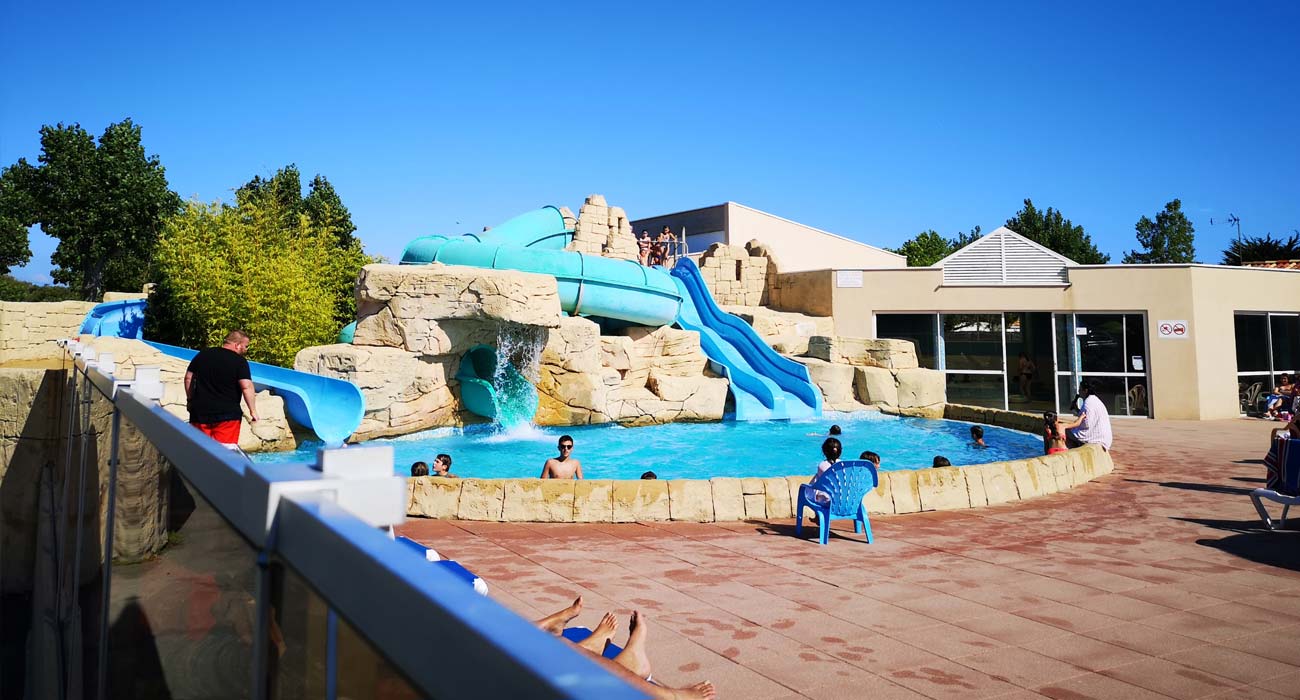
point(1282, 484)
point(448, 565)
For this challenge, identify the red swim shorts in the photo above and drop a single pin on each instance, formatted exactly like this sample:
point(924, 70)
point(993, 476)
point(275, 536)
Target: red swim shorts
point(226, 432)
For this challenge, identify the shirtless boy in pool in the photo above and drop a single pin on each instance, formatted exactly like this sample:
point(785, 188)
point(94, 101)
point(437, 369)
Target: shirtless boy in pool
point(564, 466)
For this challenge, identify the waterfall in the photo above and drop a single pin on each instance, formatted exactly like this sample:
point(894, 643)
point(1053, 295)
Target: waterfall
point(518, 368)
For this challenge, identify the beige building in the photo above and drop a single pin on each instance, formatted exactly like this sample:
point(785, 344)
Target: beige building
point(796, 246)
point(1014, 325)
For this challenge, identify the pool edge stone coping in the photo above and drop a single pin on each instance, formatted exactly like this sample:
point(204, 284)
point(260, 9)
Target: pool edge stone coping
point(724, 499)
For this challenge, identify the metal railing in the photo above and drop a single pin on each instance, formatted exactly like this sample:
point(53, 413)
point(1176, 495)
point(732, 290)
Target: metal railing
point(277, 580)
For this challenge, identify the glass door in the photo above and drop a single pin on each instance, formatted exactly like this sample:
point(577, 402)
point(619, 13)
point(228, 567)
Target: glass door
point(1110, 351)
point(1029, 361)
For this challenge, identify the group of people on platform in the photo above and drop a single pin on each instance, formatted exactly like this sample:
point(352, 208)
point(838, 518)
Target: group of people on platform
point(656, 251)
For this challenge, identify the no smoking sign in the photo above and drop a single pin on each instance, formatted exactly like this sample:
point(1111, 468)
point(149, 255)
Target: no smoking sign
point(1173, 330)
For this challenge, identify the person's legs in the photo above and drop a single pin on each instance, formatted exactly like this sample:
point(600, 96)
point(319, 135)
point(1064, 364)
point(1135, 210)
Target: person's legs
point(633, 657)
point(604, 632)
point(556, 621)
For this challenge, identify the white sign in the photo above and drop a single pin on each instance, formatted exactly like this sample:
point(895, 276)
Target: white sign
point(1173, 330)
point(1080, 330)
point(1137, 363)
point(848, 278)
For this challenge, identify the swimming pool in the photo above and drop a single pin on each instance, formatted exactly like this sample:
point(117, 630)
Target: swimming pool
point(699, 450)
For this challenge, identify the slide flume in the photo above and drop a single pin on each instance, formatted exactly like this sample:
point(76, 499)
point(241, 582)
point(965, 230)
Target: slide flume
point(331, 408)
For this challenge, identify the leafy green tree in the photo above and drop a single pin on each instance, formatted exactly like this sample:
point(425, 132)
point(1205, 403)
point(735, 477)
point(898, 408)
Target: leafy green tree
point(1055, 232)
point(1168, 239)
point(258, 266)
point(928, 247)
point(324, 208)
point(17, 290)
point(1260, 249)
point(105, 203)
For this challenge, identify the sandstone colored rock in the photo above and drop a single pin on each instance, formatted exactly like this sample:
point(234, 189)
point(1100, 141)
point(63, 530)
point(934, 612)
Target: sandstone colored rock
point(1045, 472)
point(538, 500)
point(728, 499)
point(593, 501)
point(835, 381)
point(691, 500)
point(905, 489)
point(433, 497)
point(999, 482)
point(970, 414)
point(28, 330)
point(407, 301)
point(881, 498)
point(1028, 484)
point(776, 491)
point(866, 352)
point(875, 386)
point(943, 488)
point(919, 387)
point(975, 487)
point(404, 393)
point(734, 276)
point(481, 499)
point(640, 500)
point(794, 482)
point(755, 506)
point(1061, 471)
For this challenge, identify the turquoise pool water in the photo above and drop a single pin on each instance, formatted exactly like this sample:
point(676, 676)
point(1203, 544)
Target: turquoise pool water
point(700, 450)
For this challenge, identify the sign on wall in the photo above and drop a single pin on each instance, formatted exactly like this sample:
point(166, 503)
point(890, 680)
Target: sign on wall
point(848, 278)
point(1173, 330)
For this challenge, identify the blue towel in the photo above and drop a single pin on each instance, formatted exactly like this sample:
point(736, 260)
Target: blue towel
point(577, 634)
point(1283, 465)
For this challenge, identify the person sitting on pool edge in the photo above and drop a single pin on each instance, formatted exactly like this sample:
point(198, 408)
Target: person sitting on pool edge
point(977, 436)
point(419, 469)
point(563, 466)
point(442, 467)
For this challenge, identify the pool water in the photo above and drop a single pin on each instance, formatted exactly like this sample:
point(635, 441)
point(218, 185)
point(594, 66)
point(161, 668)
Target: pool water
point(699, 450)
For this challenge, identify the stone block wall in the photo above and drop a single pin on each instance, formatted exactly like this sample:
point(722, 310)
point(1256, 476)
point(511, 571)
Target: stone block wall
point(603, 230)
point(28, 330)
point(735, 275)
point(724, 499)
point(787, 332)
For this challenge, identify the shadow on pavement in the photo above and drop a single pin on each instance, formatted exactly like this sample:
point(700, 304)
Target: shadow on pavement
point(1190, 486)
point(1252, 542)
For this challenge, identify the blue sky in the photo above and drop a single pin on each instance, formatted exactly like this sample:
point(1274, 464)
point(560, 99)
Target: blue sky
point(874, 121)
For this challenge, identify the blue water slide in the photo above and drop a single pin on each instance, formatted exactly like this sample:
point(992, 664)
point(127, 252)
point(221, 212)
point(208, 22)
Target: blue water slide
point(542, 228)
point(776, 386)
point(332, 408)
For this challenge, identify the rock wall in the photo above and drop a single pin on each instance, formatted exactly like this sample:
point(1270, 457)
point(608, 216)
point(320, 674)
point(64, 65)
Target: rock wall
point(729, 499)
point(603, 230)
point(28, 330)
point(737, 276)
point(787, 332)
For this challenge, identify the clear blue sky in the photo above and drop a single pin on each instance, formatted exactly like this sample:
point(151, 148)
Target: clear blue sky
point(872, 120)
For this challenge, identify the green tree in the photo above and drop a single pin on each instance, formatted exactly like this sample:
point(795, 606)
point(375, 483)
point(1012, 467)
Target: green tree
point(1250, 249)
point(324, 208)
point(928, 247)
point(1055, 232)
point(17, 290)
point(1168, 239)
point(256, 266)
point(105, 203)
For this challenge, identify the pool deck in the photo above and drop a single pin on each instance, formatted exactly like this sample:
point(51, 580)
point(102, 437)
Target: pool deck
point(1155, 581)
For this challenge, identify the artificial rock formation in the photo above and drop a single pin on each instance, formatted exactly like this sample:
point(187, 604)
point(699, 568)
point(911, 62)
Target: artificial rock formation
point(735, 275)
point(787, 332)
point(603, 230)
point(28, 330)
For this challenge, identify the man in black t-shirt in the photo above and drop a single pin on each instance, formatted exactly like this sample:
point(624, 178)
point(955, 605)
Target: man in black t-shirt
point(214, 382)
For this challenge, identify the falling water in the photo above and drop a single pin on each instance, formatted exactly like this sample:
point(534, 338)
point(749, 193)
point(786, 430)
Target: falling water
point(518, 368)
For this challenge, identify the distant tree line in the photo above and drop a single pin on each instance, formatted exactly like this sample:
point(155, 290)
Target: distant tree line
point(278, 263)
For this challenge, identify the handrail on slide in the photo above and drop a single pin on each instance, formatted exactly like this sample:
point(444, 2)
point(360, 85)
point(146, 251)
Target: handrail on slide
point(332, 408)
point(786, 373)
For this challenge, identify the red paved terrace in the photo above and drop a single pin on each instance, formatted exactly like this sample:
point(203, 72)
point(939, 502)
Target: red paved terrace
point(1155, 581)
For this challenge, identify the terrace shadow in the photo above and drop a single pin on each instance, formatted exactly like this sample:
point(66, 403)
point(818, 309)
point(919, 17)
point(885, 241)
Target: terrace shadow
point(1250, 541)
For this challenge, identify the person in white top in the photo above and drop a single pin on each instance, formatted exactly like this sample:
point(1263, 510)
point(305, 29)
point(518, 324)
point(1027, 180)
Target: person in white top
point(1093, 423)
point(831, 450)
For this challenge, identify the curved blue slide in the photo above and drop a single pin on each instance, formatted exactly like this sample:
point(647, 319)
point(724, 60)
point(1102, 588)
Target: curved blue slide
point(763, 383)
point(332, 408)
point(777, 386)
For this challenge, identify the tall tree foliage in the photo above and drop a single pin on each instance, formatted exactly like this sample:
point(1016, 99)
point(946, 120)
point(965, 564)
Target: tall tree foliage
point(1250, 249)
point(1053, 231)
point(928, 247)
point(105, 203)
point(1168, 239)
point(264, 265)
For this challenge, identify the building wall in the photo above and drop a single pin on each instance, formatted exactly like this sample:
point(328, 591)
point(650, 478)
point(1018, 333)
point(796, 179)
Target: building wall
point(798, 247)
point(1193, 378)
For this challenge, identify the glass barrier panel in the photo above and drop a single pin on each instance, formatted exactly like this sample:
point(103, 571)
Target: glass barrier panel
point(973, 341)
point(182, 618)
point(298, 636)
point(364, 673)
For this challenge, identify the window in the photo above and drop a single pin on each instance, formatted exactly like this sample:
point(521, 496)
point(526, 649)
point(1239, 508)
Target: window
point(918, 328)
point(1268, 346)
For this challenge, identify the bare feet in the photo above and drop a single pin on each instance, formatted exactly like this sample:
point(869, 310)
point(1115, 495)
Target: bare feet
point(699, 691)
point(556, 621)
point(601, 635)
point(633, 656)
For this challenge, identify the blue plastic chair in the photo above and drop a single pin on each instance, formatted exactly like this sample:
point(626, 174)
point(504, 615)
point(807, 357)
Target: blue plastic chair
point(847, 482)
